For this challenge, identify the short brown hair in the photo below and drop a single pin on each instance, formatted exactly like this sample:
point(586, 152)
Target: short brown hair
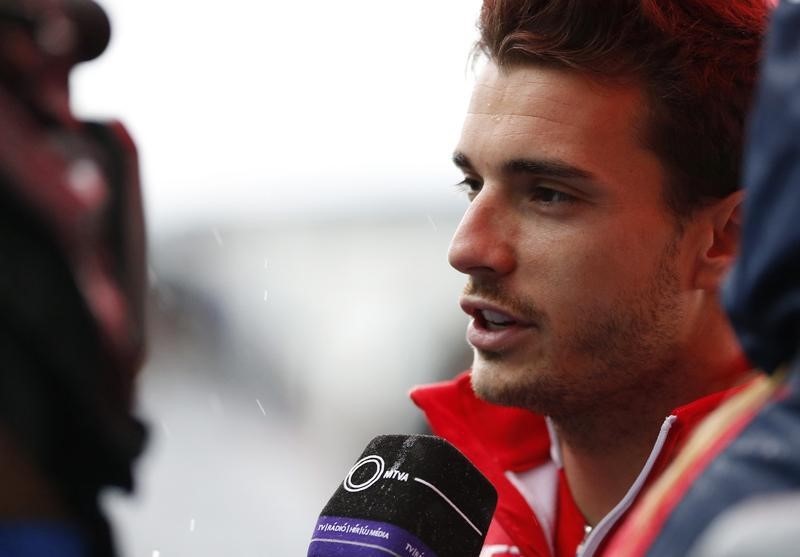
point(696, 60)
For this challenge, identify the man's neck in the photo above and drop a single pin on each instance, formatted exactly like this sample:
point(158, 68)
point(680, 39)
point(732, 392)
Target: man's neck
point(599, 478)
point(604, 451)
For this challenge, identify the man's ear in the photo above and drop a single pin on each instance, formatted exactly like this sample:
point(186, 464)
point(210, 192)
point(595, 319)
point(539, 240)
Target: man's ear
point(719, 240)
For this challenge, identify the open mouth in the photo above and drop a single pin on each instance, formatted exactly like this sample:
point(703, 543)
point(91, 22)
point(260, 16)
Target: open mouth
point(492, 329)
point(493, 320)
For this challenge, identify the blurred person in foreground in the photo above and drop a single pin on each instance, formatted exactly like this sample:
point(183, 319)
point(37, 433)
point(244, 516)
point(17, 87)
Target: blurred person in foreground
point(734, 491)
point(601, 156)
point(71, 289)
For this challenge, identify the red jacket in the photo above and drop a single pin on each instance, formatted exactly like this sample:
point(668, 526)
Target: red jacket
point(536, 516)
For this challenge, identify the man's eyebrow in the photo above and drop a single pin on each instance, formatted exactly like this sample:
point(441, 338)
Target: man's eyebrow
point(462, 161)
point(547, 168)
point(540, 167)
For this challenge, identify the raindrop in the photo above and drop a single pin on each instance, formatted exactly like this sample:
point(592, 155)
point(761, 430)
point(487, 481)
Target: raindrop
point(433, 224)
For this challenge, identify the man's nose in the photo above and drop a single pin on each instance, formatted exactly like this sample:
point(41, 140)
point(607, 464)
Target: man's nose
point(483, 242)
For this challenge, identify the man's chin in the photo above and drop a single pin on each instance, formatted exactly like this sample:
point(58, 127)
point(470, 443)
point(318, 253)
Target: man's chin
point(493, 381)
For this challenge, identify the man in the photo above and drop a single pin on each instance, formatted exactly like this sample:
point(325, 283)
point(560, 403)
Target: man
point(600, 154)
point(71, 289)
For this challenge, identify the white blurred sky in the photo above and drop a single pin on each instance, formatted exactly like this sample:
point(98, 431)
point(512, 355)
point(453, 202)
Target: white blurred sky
point(245, 110)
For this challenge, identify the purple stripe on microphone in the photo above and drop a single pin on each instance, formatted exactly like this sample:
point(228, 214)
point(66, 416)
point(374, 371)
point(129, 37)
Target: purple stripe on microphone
point(336, 536)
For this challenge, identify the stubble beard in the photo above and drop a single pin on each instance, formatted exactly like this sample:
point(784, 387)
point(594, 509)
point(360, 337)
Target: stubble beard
point(622, 356)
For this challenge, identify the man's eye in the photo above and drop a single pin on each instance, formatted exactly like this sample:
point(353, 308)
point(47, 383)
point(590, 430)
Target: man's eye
point(470, 186)
point(542, 194)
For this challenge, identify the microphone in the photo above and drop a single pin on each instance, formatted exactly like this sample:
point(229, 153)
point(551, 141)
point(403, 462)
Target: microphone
point(407, 496)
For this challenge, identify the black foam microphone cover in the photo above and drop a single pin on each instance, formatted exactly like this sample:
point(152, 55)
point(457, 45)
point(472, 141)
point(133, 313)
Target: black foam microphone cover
point(409, 496)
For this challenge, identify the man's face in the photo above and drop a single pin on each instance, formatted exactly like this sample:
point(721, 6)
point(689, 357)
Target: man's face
point(576, 285)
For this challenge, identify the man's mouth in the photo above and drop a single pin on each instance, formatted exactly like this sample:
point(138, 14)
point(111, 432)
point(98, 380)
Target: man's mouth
point(490, 316)
point(493, 328)
point(493, 320)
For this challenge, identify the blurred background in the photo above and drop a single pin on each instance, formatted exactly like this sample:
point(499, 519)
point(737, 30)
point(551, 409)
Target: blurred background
point(299, 198)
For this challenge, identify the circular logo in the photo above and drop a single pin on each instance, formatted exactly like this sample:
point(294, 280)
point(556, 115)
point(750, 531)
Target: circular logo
point(373, 460)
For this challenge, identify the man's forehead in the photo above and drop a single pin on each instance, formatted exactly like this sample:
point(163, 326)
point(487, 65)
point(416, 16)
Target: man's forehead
point(540, 91)
point(532, 111)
